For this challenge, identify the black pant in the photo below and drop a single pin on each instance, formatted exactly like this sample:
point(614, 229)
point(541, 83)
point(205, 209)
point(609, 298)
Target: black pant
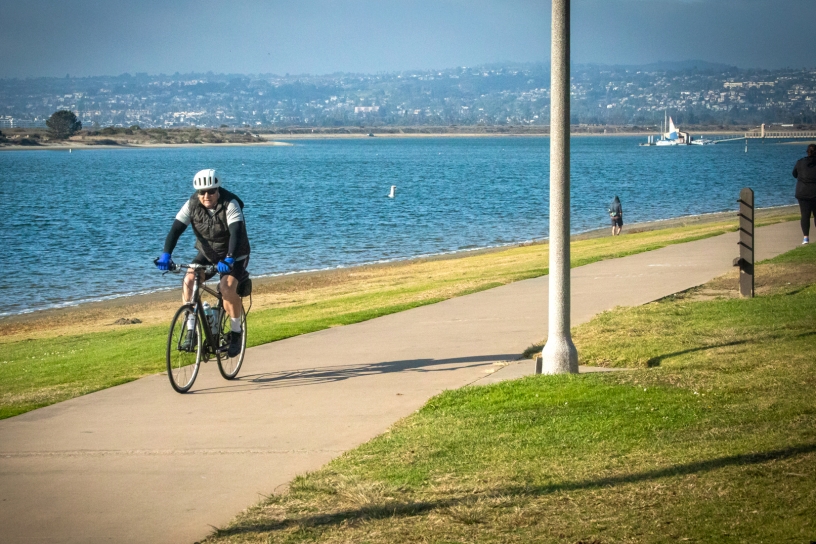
point(808, 207)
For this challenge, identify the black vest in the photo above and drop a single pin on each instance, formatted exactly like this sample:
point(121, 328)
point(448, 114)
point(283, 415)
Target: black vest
point(211, 230)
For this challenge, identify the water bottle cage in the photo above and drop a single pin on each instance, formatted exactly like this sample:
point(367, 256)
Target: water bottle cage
point(214, 325)
point(209, 314)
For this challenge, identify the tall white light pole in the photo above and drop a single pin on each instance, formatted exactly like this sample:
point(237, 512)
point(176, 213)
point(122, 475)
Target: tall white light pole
point(560, 355)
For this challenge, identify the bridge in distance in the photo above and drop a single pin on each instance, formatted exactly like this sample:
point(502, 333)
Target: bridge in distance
point(762, 134)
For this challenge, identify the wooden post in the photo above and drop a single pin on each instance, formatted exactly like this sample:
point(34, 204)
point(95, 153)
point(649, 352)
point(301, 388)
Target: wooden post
point(746, 242)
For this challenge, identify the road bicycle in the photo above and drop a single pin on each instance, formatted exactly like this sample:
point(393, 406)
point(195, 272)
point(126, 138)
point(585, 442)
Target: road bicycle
point(196, 334)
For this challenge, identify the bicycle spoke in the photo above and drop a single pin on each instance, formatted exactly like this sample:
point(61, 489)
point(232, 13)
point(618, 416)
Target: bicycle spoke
point(184, 350)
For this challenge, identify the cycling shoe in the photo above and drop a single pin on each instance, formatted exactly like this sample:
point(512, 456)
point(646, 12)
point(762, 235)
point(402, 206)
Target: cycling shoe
point(234, 343)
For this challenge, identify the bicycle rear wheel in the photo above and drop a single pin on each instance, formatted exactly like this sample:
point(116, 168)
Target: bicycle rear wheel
point(229, 366)
point(184, 350)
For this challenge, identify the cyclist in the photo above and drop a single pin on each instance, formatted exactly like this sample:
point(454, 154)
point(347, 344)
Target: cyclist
point(221, 239)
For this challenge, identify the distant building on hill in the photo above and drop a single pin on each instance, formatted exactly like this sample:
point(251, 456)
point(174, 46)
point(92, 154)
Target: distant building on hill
point(11, 122)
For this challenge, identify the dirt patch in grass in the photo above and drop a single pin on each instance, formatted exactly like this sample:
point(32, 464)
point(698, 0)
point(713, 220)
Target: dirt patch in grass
point(769, 279)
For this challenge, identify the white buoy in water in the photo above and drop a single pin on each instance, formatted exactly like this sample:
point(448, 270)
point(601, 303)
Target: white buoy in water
point(70, 151)
point(393, 192)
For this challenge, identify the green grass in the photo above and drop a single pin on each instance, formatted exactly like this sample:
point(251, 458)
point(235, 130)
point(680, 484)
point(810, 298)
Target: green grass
point(804, 254)
point(36, 373)
point(673, 328)
point(710, 439)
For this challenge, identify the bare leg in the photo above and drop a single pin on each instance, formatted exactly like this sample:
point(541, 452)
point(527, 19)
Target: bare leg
point(229, 292)
point(187, 285)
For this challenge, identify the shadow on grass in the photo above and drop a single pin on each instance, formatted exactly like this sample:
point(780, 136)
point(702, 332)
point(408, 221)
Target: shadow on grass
point(393, 509)
point(655, 361)
point(329, 374)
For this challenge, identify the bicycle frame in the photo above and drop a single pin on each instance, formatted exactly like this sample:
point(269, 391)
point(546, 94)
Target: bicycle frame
point(195, 300)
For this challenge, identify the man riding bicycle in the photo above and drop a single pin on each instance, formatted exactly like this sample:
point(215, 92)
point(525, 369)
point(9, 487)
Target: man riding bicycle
point(221, 239)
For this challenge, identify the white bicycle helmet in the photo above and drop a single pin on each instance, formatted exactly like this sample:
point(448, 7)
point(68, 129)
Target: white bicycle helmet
point(206, 179)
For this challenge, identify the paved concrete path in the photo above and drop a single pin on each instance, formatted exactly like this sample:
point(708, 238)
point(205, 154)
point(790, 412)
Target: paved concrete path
point(140, 463)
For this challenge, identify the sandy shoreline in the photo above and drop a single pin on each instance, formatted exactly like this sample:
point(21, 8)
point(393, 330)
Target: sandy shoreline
point(317, 136)
point(272, 140)
point(84, 146)
point(157, 307)
point(284, 140)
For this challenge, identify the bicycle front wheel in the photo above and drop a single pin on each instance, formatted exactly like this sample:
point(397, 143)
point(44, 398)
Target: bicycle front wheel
point(229, 366)
point(184, 349)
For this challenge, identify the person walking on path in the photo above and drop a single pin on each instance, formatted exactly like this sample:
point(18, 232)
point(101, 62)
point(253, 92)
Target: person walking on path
point(616, 215)
point(221, 239)
point(805, 174)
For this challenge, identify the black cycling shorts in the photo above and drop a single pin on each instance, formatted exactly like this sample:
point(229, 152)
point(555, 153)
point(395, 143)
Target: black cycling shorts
point(238, 269)
point(617, 221)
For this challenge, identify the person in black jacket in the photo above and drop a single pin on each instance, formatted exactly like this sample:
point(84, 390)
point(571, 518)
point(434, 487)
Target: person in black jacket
point(221, 239)
point(805, 174)
point(616, 215)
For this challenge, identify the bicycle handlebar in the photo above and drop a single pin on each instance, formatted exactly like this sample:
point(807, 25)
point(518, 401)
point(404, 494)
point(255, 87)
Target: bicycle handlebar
point(207, 268)
point(177, 268)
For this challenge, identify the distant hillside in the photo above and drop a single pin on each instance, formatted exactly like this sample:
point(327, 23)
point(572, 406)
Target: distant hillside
point(681, 65)
point(694, 92)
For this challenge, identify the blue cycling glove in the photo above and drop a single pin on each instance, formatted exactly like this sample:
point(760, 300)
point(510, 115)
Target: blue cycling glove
point(225, 265)
point(164, 262)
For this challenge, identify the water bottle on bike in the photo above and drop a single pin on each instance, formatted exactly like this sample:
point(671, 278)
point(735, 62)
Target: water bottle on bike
point(208, 311)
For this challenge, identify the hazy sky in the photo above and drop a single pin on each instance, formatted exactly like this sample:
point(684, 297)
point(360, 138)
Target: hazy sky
point(109, 37)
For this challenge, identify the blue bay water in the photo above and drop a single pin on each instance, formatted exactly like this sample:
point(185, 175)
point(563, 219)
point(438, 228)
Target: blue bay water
point(86, 225)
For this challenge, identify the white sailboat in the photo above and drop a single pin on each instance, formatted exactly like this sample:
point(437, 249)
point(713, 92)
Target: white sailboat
point(670, 136)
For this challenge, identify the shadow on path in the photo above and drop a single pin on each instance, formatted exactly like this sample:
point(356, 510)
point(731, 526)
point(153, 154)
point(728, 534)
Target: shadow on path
point(330, 374)
point(396, 508)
